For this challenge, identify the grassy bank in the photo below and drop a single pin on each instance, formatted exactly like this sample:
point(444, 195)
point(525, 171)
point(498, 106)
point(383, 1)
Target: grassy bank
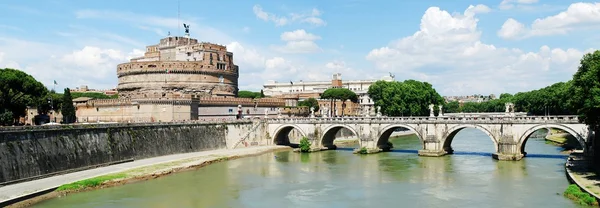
point(574, 193)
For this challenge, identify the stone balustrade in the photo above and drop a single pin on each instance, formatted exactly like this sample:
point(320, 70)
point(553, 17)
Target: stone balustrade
point(567, 119)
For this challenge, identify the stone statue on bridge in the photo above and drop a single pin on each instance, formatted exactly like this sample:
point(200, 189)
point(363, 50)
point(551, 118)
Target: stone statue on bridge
point(266, 113)
point(312, 112)
point(279, 113)
point(431, 114)
point(325, 112)
point(378, 111)
point(367, 111)
point(441, 112)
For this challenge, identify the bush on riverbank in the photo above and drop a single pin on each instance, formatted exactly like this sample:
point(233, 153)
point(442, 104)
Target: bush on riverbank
point(304, 145)
point(574, 193)
point(363, 150)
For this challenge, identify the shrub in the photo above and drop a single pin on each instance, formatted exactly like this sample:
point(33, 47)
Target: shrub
point(363, 150)
point(574, 193)
point(304, 144)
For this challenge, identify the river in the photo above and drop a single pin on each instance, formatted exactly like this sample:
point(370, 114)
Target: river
point(468, 178)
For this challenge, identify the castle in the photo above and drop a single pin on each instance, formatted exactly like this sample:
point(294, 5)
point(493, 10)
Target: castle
point(178, 79)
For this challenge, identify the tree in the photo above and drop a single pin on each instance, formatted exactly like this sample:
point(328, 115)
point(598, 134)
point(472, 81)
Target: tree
point(585, 95)
point(304, 145)
point(410, 97)
point(310, 102)
point(17, 91)
point(341, 94)
point(452, 107)
point(262, 94)
point(54, 99)
point(67, 109)
point(249, 94)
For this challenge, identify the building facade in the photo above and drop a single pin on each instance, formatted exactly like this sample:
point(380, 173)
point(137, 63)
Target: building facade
point(179, 66)
point(314, 89)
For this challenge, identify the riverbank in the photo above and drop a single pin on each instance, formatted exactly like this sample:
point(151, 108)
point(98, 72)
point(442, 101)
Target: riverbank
point(140, 170)
point(580, 173)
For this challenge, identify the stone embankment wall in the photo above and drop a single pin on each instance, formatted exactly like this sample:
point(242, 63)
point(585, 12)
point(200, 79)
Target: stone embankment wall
point(36, 151)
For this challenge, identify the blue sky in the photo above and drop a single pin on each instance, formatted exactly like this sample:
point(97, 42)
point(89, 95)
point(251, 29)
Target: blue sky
point(461, 47)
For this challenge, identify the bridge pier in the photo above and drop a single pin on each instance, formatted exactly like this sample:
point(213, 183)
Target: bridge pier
point(433, 147)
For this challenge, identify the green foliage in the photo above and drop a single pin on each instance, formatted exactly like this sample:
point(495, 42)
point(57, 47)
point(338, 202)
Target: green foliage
point(573, 192)
point(67, 109)
point(249, 94)
point(95, 95)
point(310, 102)
point(52, 98)
point(408, 98)
point(92, 182)
point(342, 94)
point(19, 90)
point(549, 100)
point(585, 90)
point(6, 118)
point(363, 150)
point(304, 145)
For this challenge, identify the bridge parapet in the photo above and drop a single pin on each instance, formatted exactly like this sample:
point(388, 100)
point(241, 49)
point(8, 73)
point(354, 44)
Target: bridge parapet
point(569, 119)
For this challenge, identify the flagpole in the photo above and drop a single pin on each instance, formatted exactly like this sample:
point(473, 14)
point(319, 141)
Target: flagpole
point(52, 100)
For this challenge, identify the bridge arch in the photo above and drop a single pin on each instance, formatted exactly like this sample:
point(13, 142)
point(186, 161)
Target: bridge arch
point(387, 131)
point(451, 133)
point(330, 132)
point(523, 139)
point(281, 134)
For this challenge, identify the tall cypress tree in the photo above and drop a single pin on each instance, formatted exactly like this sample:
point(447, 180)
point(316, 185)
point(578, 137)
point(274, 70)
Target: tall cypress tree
point(67, 109)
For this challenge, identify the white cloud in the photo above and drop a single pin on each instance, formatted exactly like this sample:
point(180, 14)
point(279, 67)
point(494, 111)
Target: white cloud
point(312, 17)
point(298, 41)
point(247, 59)
point(447, 51)
point(509, 4)
point(511, 29)
point(577, 16)
point(299, 35)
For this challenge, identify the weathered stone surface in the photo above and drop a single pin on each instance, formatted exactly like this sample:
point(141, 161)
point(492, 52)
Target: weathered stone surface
point(37, 151)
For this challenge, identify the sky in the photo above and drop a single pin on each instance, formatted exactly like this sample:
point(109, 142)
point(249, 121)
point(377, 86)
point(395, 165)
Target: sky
point(461, 47)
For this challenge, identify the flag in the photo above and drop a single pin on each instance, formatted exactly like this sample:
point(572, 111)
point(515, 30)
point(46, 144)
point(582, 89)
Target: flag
point(167, 70)
point(291, 83)
point(55, 83)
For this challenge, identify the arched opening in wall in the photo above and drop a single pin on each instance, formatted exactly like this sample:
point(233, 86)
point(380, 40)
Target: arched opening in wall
point(288, 136)
point(339, 136)
point(469, 140)
point(550, 139)
point(399, 137)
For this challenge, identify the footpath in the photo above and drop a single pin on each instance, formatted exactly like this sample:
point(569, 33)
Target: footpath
point(148, 166)
point(580, 172)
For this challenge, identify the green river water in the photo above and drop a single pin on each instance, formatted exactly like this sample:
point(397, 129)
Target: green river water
point(468, 178)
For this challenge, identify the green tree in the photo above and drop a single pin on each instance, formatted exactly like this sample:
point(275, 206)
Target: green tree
point(248, 94)
point(342, 94)
point(17, 91)
point(585, 95)
point(262, 94)
point(304, 145)
point(67, 109)
point(310, 102)
point(406, 98)
point(54, 99)
point(452, 107)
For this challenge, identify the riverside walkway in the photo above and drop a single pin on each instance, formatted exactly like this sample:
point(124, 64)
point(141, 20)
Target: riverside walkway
point(13, 193)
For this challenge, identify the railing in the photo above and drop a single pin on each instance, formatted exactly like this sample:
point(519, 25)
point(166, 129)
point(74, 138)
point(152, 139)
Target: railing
point(7, 129)
point(432, 120)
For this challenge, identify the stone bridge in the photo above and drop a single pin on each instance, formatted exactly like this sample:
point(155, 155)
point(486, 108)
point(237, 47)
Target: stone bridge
point(509, 134)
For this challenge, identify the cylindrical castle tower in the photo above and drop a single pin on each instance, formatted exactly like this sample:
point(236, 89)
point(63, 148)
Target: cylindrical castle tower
point(179, 66)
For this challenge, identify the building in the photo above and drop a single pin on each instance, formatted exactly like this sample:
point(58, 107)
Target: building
point(85, 89)
point(313, 89)
point(179, 66)
point(178, 79)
